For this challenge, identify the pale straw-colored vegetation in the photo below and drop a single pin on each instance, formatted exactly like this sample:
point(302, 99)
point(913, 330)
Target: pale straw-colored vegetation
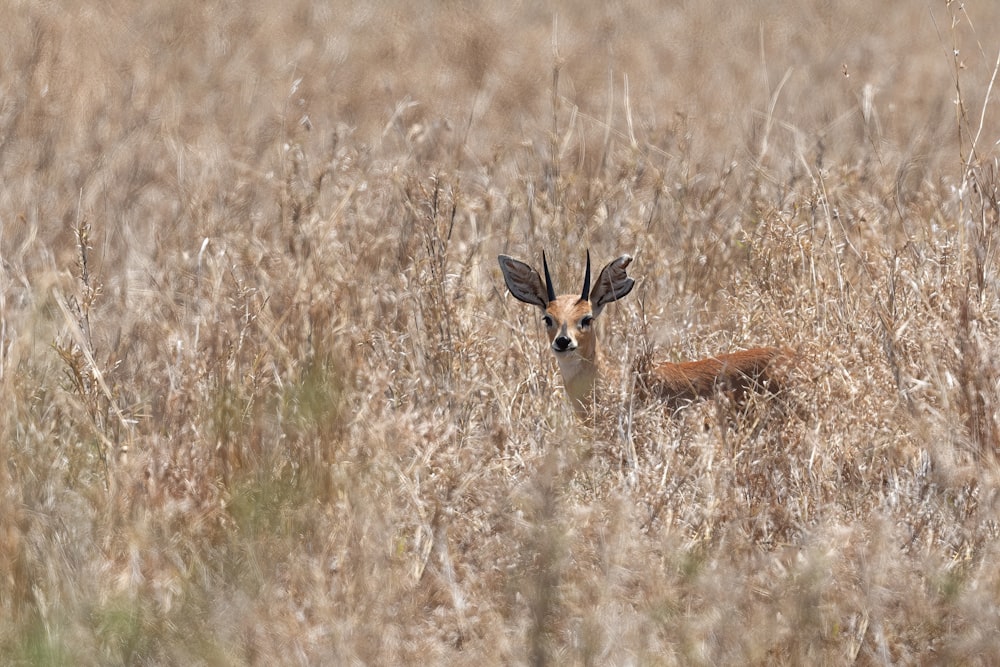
point(268, 401)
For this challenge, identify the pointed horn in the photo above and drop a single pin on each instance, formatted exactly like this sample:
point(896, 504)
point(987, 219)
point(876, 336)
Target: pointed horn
point(586, 280)
point(548, 279)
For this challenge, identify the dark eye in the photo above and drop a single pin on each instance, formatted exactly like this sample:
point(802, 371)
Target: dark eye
point(549, 322)
point(586, 321)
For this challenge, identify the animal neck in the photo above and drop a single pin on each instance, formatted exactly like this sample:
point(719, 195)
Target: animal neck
point(580, 373)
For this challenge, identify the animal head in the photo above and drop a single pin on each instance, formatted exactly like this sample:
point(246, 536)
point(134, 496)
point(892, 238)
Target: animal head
point(568, 318)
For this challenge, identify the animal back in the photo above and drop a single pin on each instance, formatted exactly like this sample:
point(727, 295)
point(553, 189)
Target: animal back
point(739, 372)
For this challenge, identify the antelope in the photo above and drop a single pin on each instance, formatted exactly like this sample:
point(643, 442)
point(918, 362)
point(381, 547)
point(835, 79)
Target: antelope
point(569, 322)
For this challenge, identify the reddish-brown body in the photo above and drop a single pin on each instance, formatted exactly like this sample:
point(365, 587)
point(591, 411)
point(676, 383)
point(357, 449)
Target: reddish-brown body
point(569, 323)
point(740, 372)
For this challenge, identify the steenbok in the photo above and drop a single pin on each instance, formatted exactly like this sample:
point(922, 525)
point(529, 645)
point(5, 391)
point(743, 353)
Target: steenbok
point(569, 320)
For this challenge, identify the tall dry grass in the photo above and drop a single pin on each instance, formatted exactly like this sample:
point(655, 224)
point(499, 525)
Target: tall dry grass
point(267, 401)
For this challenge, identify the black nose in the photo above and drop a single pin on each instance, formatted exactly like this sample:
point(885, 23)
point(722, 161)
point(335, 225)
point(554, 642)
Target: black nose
point(562, 343)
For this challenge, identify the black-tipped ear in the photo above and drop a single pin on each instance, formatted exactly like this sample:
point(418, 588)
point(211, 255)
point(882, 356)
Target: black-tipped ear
point(585, 296)
point(612, 284)
point(548, 279)
point(523, 281)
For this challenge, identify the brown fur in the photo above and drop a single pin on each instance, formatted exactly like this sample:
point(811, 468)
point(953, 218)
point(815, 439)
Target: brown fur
point(739, 372)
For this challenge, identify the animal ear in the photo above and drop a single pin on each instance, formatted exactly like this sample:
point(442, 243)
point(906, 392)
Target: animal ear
point(523, 282)
point(612, 284)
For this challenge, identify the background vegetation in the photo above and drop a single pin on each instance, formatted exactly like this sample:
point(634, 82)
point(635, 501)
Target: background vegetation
point(267, 401)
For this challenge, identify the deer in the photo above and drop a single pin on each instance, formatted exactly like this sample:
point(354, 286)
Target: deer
point(569, 322)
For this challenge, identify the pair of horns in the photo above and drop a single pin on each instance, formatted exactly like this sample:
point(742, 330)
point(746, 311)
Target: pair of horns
point(548, 280)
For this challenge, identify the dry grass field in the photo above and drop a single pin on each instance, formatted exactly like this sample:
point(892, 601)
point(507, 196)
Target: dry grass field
point(267, 400)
